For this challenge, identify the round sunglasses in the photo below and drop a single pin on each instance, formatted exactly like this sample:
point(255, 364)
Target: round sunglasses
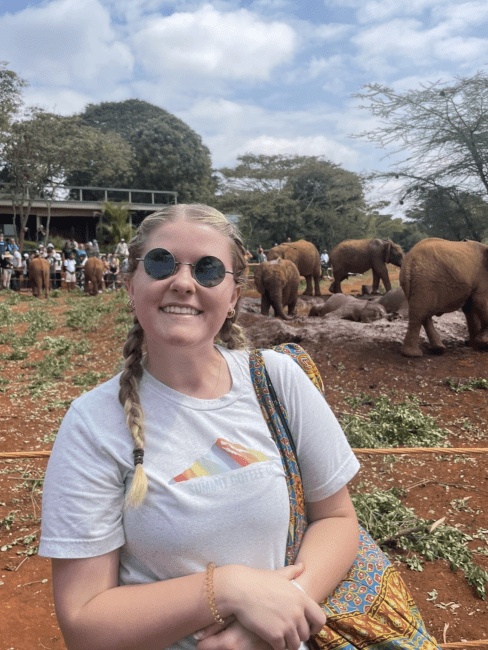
point(160, 264)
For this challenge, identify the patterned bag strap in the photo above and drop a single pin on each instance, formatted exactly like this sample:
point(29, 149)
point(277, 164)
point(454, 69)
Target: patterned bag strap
point(277, 421)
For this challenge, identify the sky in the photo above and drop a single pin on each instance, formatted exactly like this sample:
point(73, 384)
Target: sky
point(262, 76)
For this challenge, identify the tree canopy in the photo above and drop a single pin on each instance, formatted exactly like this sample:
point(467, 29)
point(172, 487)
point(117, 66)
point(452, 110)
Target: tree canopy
point(42, 149)
point(293, 196)
point(439, 133)
point(10, 95)
point(169, 155)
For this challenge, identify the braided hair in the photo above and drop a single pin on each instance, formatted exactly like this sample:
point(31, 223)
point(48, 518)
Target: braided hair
point(230, 335)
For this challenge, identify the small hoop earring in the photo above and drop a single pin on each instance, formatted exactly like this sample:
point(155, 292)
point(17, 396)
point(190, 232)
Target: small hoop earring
point(130, 305)
point(231, 313)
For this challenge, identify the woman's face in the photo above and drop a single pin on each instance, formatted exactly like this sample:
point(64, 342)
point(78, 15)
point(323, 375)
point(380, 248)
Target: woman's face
point(177, 311)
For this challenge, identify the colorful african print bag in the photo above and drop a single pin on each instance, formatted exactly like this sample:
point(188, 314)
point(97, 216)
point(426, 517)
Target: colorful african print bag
point(371, 608)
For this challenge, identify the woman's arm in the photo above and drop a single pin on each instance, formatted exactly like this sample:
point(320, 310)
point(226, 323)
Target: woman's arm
point(328, 549)
point(330, 544)
point(94, 613)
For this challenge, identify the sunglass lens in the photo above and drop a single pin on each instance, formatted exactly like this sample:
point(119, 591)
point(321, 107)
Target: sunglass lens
point(159, 263)
point(209, 271)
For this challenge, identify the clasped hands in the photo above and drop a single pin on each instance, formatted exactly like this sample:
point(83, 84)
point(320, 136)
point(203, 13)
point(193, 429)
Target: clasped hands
point(268, 612)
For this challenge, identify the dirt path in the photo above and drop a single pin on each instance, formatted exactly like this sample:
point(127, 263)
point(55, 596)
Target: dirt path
point(354, 359)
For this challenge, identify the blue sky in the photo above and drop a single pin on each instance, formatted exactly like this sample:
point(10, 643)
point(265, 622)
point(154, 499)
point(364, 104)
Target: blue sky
point(262, 76)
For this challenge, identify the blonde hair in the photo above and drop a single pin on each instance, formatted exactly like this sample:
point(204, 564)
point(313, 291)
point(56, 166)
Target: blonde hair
point(230, 334)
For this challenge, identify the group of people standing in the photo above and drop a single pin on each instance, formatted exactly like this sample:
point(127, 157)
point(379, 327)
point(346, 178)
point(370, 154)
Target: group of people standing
point(65, 264)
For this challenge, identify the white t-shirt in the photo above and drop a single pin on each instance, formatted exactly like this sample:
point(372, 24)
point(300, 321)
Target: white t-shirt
point(217, 490)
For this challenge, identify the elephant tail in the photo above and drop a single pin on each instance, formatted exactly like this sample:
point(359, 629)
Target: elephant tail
point(405, 280)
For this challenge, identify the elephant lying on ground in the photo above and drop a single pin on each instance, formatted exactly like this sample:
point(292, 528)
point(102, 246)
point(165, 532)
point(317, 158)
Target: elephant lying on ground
point(93, 270)
point(349, 308)
point(395, 302)
point(440, 276)
point(359, 255)
point(39, 276)
point(306, 258)
point(277, 282)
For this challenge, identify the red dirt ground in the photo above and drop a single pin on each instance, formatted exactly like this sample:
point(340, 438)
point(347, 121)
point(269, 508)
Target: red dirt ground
point(353, 358)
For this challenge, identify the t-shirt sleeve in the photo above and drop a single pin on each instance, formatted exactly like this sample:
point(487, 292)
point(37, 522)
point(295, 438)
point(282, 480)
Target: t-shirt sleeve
point(83, 495)
point(326, 460)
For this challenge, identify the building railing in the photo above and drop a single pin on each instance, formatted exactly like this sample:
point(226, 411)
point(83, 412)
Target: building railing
point(99, 194)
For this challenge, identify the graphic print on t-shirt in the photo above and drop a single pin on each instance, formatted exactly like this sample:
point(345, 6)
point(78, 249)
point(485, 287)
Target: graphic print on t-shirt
point(223, 456)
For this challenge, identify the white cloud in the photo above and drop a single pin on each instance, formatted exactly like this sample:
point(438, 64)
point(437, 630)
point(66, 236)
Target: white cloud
point(317, 145)
point(408, 42)
point(232, 45)
point(65, 43)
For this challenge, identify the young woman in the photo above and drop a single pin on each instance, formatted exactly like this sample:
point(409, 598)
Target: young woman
point(133, 544)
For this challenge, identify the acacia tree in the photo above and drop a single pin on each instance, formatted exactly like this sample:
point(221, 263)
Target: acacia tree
point(38, 153)
point(440, 134)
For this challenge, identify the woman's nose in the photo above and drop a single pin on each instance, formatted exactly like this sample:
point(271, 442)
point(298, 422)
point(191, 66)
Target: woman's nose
point(183, 280)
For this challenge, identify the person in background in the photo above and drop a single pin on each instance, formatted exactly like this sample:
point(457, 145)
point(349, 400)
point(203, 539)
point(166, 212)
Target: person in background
point(324, 262)
point(70, 272)
point(7, 267)
point(95, 248)
point(25, 270)
point(3, 244)
point(121, 248)
point(261, 257)
point(16, 270)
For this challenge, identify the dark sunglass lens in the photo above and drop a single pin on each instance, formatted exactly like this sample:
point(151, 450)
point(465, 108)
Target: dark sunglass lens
point(209, 271)
point(159, 263)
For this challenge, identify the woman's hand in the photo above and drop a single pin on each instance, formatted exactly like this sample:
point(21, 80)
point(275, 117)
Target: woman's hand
point(232, 637)
point(268, 605)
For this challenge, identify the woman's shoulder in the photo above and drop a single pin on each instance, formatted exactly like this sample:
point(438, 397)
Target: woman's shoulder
point(100, 397)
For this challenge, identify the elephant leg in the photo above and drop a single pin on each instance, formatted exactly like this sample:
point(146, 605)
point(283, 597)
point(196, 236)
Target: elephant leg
point(309, 290)
point(381, 273)
point(316, 280)
point(265, 304)
point(433, 335)
point(410, 346)
point(335, 286)
point(476, 312)
point(276, 298)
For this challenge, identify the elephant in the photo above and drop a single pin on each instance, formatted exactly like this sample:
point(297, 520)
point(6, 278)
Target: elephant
point(94, 270)
point(395, 302)
point(440, 276)
point(349, 308)
point(39, 276)
point(277, 282)
point(306, 258)
point(359, 255)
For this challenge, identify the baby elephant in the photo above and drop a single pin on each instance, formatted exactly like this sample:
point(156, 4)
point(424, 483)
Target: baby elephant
point(347, 307)
point(277, 282)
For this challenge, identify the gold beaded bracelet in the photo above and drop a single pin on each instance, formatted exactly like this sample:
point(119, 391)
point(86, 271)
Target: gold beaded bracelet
point(211, 595)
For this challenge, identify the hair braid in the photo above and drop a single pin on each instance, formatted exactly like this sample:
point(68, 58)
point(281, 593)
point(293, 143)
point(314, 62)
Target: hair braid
point(129, 398)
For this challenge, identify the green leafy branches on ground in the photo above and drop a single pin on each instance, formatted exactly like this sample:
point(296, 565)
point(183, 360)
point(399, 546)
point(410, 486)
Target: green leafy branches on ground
point(393, 525)
point(391, 425)
point(459, 385)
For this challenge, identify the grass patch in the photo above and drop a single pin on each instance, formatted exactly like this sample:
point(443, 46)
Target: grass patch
point(391, 425)
point(383, 514)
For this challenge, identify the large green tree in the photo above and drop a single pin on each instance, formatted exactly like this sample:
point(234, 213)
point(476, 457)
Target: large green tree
point(293, 196)
point(170, 156)
point(40, 150)
point(438, 136)
point(464, 214)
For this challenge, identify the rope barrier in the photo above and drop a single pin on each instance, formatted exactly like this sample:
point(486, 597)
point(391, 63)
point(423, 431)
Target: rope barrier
point(384, 452)
point(464, 644)
point(423, 450)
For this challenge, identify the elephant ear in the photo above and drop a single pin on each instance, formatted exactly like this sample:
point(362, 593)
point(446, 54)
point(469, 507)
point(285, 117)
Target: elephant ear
point(388, 243)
